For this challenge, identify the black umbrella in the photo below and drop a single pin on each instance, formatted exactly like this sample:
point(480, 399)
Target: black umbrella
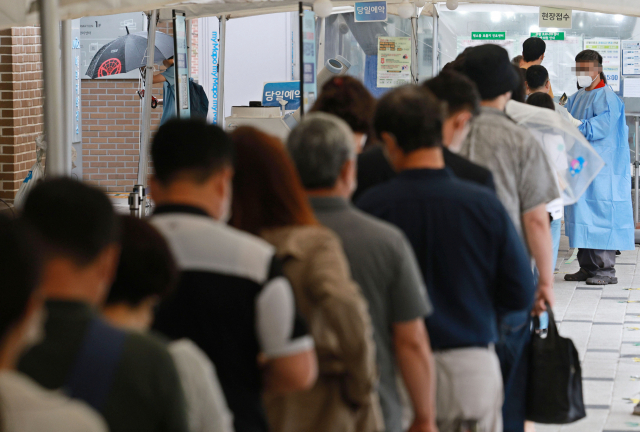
point(128, 53)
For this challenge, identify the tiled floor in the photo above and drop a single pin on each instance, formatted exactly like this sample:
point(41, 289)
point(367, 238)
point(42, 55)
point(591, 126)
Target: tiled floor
point(604, 324)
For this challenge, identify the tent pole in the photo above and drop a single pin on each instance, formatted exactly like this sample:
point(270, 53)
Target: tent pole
point(53, 127)
point(414, 48)
point(321, 41)
point(221, 61)
point(67, 94)
point(145, 124)
point(434, 55)
point(636, 164)
point(189, 43)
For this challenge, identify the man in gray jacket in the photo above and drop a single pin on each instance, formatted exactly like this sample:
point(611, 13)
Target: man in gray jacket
point(382, 263)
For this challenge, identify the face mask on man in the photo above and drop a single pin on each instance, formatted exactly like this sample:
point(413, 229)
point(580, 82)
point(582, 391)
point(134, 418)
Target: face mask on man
point(585, 81)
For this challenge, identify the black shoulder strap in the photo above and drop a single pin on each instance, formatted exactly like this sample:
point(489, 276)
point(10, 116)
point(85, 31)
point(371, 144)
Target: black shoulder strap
point(92, 374)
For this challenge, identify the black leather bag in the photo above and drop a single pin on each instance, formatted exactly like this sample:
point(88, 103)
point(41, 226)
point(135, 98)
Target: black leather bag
point(554, 389)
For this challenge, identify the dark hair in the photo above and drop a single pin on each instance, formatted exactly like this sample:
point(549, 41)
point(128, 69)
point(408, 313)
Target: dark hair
point(20, 266)
point(458, 64)
point(190, 148)
point(413, 115)
point(541, 100)
point(146, 266)
point(347, 98)
point(267, 191)
point(594, 57)
point(458, 91)
point(536, 76)
point(533, 48)
point(519, 93)
point(516, 60)
point(72, 219)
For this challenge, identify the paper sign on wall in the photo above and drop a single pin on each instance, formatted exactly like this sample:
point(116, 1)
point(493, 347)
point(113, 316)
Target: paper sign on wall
point(394, 61)
point(552, 17)
point(609, 49)
point(631, 87)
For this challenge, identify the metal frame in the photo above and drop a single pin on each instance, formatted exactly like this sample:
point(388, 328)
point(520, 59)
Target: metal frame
point(414, 47)
point(67, 95)
point(176, 73)
point(434, 48)
point(145, 123)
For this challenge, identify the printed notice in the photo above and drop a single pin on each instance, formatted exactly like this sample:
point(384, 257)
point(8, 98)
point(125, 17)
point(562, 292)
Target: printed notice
point(394, 61)
point(630, 58)
point(609, 49)
point(631, 87)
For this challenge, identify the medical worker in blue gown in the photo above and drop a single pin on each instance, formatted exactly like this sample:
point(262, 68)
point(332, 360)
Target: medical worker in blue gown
point(602, 220)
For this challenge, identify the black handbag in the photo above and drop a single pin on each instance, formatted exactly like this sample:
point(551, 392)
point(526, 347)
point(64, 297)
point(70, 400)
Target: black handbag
point(554, 389)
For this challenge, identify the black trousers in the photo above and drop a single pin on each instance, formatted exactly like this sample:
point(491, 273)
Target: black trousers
point(598, 262)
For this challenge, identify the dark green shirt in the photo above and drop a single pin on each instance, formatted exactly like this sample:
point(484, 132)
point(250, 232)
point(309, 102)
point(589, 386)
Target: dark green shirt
point(145, 393)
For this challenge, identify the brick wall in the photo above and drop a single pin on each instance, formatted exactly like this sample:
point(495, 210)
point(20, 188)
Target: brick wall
point(110, 116)
point(21, 105)
point(111, 131)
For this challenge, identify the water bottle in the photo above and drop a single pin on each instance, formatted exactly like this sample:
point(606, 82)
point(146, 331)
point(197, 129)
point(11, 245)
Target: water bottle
point(542, 325)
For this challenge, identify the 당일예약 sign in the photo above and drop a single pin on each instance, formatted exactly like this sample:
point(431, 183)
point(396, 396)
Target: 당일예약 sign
point(370, 11)
point(274, 92)
point(488, 35)
point(549, 36)
point(394, 61)
point(552, 17)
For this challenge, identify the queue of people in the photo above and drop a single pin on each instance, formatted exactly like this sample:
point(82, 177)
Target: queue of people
point(310, 285)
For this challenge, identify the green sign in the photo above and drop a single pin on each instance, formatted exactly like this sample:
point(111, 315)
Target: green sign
point(488, 35)
point(551, 36)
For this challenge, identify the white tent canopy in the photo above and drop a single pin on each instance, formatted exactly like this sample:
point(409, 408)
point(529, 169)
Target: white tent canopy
point(24, 12)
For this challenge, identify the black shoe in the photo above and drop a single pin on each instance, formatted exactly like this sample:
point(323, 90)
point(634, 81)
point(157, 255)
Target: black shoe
point(602, 280)
point(580, 276)
point(618, 252)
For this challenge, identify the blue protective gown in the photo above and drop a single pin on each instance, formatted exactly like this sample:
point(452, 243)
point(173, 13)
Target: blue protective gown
point(602, 218)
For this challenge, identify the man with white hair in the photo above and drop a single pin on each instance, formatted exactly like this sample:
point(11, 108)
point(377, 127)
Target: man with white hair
point(382, 263)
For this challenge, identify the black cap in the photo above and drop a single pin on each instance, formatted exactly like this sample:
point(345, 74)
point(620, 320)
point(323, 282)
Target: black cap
point(490, 68)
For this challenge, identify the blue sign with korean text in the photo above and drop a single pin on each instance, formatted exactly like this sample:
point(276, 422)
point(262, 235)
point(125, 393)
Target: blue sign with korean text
point(371, 11)
point(274, 92)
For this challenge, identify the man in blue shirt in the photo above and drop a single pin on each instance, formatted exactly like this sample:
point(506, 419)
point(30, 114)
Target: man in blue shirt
point(470, 255)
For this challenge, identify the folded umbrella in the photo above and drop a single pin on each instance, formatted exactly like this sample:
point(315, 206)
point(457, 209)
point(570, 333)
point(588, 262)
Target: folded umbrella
point(127, 53)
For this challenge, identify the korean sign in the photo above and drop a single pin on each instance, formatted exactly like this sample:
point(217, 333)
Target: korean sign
point(609, 49)
point(550, 36)
point(394, 61)
point(488, 35)
point(370, 11)
point(288, 91)
point(552, 17)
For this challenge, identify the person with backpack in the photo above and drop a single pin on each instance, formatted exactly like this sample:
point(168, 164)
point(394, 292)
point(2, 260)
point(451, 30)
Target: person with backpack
point(198, 100)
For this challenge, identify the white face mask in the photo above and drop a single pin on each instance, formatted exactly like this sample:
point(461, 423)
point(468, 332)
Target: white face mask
point(585, 81)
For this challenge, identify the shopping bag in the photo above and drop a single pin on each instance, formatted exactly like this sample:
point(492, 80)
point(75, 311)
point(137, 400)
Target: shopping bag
point(35, 174)
point(554, 389)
